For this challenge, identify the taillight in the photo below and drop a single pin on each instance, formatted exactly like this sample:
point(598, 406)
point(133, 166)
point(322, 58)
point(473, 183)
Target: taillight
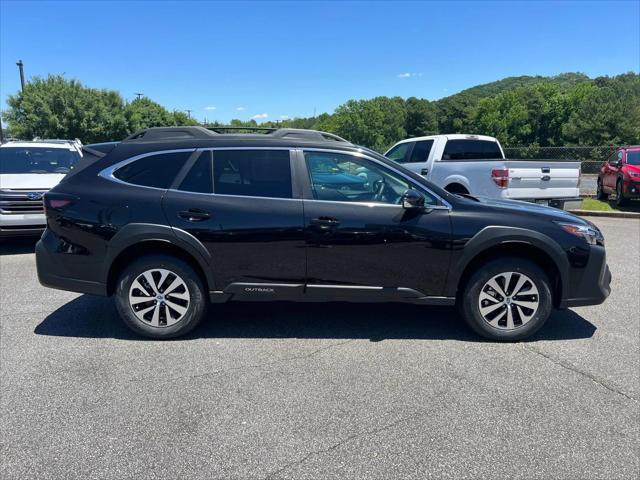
point(501, 177)
point(57, 201)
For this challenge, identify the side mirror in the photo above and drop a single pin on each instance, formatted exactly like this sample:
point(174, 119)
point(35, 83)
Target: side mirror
point(615, 163)
point(412, 199)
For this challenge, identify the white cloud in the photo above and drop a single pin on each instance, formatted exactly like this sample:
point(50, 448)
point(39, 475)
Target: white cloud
point(409, 74)
point(260, 115)
point(209, 108)
point(241, 109)
point(284, 117)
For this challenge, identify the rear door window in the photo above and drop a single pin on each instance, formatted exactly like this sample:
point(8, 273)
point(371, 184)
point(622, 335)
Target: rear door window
point(464, 149)
point(199, 179)
point(156, 171)
point(254, 173)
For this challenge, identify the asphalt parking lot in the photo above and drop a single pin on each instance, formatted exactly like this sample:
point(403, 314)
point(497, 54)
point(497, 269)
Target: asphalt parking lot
point(317, 390)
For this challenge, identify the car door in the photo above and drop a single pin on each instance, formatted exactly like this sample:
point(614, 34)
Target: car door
point(412, 155)
point(613, 166)
point(360, 239)
point(241, 205)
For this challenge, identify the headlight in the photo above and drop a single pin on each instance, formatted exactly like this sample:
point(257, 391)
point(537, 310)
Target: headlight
point(634, 174)
point(590, 233)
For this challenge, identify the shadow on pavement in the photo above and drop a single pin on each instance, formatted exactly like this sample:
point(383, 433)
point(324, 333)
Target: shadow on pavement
point(18, 245)
point(96, 317)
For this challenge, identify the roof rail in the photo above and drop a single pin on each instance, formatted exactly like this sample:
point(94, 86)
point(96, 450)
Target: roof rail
point(303, 134)
point(171, 133)
point(237, 129)
point(193, 132)
point(75, 141)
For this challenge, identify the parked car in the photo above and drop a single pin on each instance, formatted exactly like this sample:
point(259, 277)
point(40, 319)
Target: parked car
point(172, 218)
point(476, 164)
point(27, 171)
point(620, 175)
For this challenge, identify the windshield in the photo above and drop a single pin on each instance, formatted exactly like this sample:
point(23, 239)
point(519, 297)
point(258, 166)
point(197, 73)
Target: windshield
point(37, 160)
point(633, 158)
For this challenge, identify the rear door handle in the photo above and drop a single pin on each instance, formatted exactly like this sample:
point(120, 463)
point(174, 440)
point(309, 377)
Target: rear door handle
point(325, 223)
point(194, 215)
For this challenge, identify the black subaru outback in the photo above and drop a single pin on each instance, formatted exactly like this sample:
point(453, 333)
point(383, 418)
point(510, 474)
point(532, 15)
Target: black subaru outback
point(171, 219)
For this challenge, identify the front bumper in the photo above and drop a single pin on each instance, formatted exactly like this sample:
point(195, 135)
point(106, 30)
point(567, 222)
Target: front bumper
point(631, 189)
point(590, 285)
point(21, 224)
point(53, 273)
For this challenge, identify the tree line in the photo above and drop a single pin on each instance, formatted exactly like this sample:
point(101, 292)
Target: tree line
point(570, 109)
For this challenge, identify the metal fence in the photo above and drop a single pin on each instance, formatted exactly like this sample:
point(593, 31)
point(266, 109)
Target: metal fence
point(590, 157)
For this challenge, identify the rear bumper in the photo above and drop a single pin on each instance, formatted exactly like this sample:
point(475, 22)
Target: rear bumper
point(593, 285)
point(53, 274)
point(567, 203)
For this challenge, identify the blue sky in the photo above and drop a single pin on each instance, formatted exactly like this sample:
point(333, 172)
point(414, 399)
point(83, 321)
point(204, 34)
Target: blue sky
point(286, 59)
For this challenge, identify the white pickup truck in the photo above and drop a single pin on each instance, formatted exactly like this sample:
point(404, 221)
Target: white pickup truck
point(475, 164)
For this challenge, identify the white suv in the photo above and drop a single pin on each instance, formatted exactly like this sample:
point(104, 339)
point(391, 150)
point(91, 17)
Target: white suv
point(27, 171)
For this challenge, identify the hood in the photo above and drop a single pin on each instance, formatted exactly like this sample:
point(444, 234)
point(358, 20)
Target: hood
point(527, 208)
point(32, 181)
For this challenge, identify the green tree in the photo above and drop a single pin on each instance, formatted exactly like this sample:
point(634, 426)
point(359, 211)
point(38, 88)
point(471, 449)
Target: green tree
point(606, 112)
point(55, 107)
point(421, 117)
point(375, 123)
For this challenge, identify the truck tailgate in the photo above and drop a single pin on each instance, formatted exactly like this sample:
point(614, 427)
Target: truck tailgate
point(534, 179)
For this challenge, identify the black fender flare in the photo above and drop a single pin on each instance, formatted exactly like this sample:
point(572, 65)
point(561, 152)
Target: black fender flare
point(493, 236)
point(136, 233)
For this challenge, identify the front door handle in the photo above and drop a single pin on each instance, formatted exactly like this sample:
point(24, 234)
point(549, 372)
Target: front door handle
point(424, 171)
point(194, 215)
point(325, 223)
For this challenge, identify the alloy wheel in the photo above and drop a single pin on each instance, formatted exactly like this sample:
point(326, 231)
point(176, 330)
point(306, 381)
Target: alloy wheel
point(159, 297)
point(508, 300)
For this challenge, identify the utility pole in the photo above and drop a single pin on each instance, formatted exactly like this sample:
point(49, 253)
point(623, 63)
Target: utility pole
point(21, 68)
point(138, 95)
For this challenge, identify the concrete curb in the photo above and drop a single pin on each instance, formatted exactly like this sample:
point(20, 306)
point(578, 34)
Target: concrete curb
point(597, 213)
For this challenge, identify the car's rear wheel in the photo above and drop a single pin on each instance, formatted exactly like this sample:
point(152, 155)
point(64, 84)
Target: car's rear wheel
point(620, 199)
point(600, 191)
point(507, 299)
point(160, 296)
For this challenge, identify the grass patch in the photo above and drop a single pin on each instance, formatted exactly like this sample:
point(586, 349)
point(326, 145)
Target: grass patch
point(609, 206)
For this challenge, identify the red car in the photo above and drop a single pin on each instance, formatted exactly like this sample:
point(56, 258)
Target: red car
point(620, 174)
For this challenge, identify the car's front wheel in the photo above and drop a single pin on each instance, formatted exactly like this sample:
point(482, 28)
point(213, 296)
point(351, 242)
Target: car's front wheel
point(600, 191)
point(620, 199)
point(160, 296)
point(507, 299)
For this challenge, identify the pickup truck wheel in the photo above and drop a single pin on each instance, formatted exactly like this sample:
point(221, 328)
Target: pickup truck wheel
point(620, 200)
point(456, 188)
point(600, 191)
point(160, 296)
point(507, 299)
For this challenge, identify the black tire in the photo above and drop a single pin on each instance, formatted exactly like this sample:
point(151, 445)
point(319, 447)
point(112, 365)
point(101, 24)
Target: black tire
point(456, 188)
point(621, 201)
point(600, 195)
point(195, 308)
point(470, 298)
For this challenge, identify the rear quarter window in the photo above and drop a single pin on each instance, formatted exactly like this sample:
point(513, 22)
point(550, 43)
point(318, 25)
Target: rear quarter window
point(156, 171)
